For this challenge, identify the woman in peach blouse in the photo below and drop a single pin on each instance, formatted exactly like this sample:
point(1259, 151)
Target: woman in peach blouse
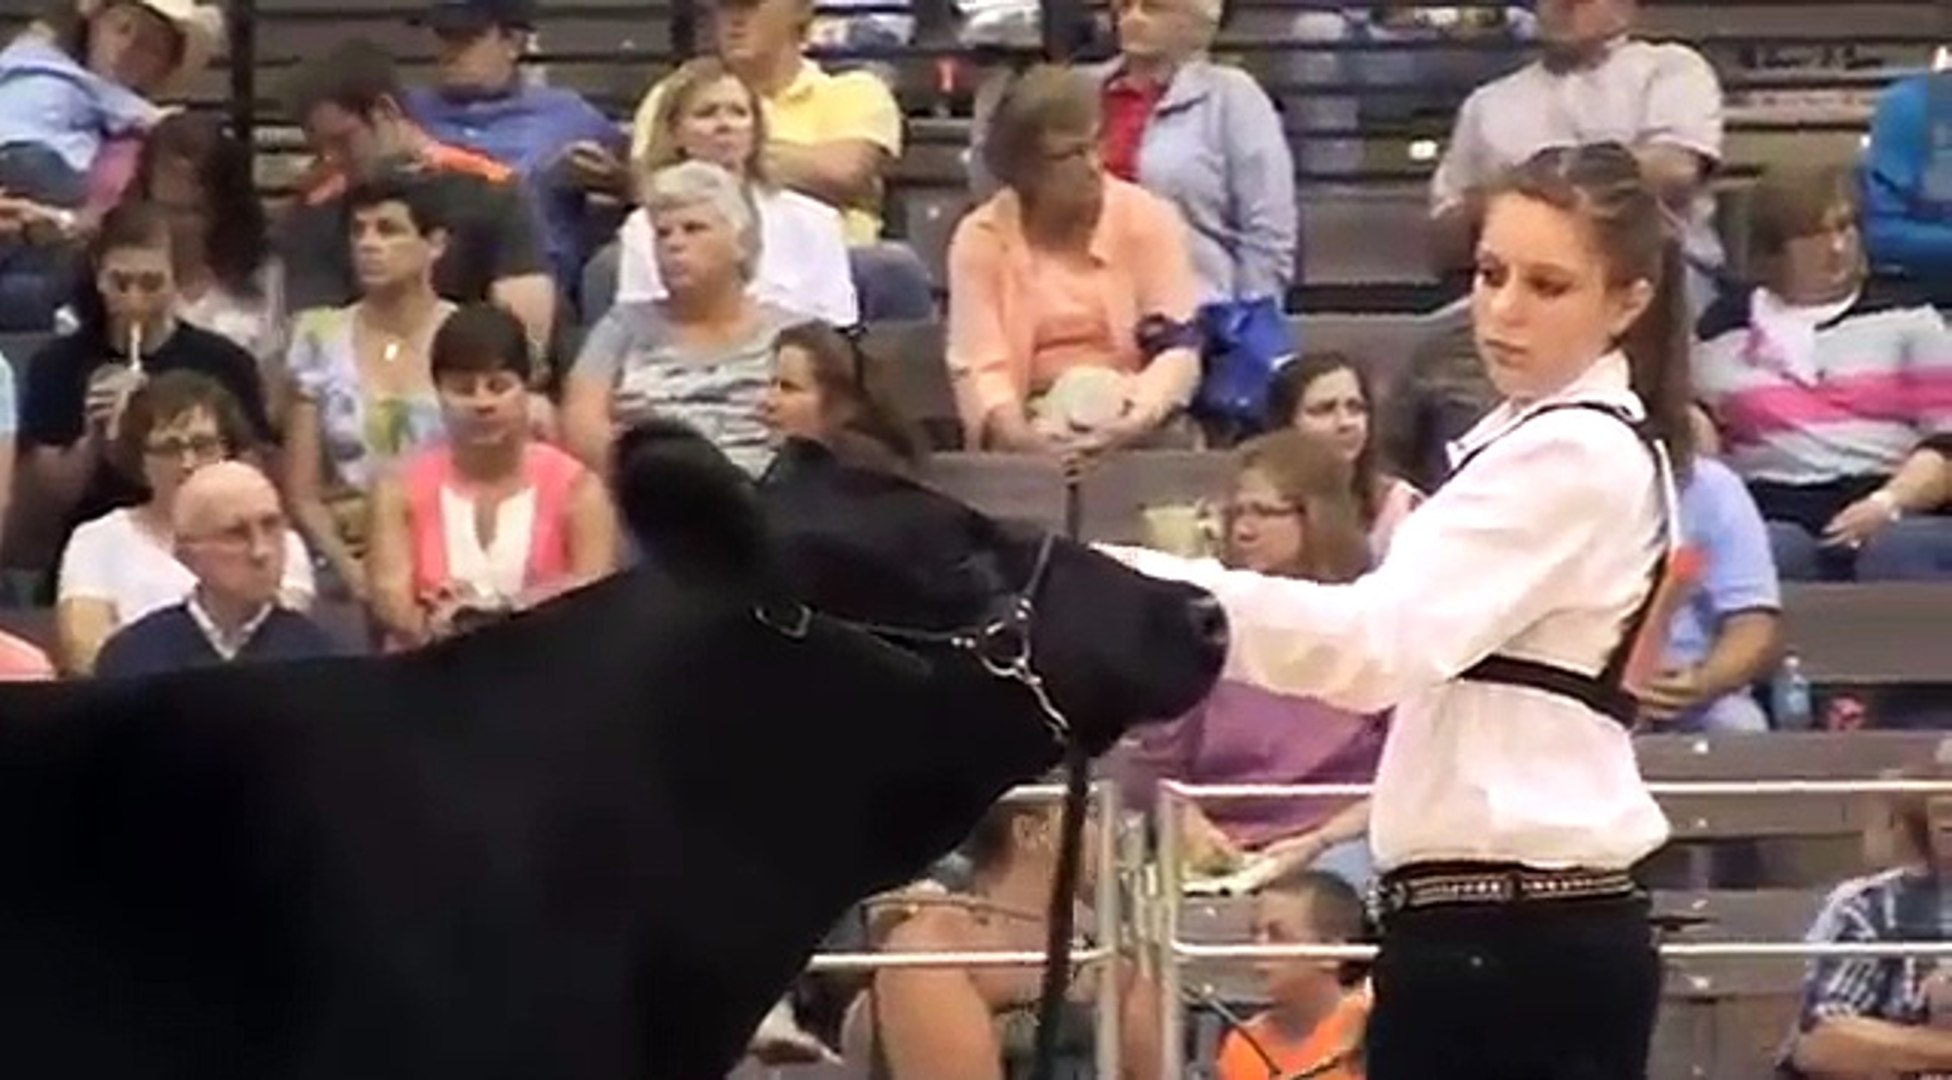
point(1071, 293)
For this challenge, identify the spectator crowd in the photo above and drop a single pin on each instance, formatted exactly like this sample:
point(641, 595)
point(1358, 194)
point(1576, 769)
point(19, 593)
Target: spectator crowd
point(395, 396)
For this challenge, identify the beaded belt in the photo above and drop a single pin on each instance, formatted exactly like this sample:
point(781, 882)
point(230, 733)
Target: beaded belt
point(1433, 885)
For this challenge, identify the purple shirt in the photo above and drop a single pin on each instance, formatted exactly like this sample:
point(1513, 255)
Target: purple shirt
point(1246, 735)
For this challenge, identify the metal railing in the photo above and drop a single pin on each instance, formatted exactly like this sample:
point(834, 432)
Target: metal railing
point(1157, 910)
point(1174, 953)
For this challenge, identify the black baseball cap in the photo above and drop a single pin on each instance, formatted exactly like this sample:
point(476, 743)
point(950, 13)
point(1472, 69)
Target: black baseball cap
point(474, 16)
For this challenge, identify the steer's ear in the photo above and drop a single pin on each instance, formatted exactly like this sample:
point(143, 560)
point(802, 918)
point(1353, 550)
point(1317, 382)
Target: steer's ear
point(686, 503)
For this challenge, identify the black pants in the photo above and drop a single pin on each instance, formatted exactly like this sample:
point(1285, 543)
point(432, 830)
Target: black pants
point(1563, 990)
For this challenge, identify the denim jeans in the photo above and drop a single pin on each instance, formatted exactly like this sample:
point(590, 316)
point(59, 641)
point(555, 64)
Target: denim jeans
point(1731, 714)
point(892, 283)
point(35, 281)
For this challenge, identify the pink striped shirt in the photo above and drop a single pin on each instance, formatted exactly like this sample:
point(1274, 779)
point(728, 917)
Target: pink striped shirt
point(1852, 399)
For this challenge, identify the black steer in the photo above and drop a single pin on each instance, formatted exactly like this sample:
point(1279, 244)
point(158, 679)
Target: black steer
point(591, 843)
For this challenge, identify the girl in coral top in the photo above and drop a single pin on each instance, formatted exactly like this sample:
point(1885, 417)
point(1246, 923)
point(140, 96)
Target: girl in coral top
point(489, 521)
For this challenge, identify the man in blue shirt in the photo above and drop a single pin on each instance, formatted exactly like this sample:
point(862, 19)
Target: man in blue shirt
point(482, 102)
point(1724, 635)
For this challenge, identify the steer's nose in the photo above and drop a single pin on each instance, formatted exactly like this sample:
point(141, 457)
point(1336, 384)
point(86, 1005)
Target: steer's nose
point(1209, 626)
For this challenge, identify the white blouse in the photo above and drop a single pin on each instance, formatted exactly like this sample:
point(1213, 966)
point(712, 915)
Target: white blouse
point(1541, 549)
point(256, 323)
point(803, 263)
point(498, 569)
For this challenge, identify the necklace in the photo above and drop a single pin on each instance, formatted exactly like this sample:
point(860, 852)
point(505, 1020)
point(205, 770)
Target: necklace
point(396, 342)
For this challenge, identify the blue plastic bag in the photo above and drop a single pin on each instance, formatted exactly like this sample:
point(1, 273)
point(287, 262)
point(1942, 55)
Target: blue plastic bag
point(1245, 342)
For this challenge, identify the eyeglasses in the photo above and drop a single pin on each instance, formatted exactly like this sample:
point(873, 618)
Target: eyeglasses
point(178, 446)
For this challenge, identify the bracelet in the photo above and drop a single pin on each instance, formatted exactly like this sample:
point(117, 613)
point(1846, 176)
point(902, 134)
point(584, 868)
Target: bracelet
point(1888, 503)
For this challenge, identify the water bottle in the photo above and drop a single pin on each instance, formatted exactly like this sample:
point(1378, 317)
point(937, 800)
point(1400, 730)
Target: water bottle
point(1789, 699)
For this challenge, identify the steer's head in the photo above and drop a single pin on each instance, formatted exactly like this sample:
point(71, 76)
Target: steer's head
point(805, 761)
point(1113, 646)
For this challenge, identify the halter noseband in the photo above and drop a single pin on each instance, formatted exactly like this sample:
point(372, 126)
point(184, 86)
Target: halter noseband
point(1002, 645)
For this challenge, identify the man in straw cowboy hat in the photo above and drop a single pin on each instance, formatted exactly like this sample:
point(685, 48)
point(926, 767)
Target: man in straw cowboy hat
point(77, 93)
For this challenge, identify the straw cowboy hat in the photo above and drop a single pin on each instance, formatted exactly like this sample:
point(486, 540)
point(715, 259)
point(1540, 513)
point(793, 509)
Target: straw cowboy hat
point(202, 27)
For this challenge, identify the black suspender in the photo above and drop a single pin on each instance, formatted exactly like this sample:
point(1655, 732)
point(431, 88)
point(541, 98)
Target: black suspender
point(1606, 692)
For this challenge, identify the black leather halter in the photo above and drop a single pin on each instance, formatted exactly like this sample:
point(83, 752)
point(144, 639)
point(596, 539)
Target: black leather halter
point(1004, 647)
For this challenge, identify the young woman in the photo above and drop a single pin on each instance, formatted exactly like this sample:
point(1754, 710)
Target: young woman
point(1508, 807)
point(1290, 515)
point(491, 520)
point(226, 279)
point(826, 388)
point(122, 565)
point(1328, 394)
point(707, 113)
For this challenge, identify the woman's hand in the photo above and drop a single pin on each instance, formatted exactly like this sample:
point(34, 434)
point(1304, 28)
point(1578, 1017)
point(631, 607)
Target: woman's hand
point(1294, 852)
point(1672, 693)
point(439, 609)
point(1132, 426)
point(1018, 434)
point(1206, 850)
point(37, 222)
point(108, 394)
point(1855, 524)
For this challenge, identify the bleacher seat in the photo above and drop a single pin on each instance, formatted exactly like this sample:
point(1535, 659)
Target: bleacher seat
point(1029, 490)
point(1113, 497)
point(912, 355)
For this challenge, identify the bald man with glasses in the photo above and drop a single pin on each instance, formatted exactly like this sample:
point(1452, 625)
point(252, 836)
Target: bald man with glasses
point(230, 530)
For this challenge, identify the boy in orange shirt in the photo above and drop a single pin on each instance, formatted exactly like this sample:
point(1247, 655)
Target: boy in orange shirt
point(1313, 1026)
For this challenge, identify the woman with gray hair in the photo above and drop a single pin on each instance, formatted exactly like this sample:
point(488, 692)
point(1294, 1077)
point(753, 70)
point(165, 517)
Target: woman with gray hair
point(702, 353)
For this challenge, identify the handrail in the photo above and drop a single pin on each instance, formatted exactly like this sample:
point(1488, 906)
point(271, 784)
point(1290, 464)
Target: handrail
point(1698, 950)
point(1685, 788)
point(1081, 955)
